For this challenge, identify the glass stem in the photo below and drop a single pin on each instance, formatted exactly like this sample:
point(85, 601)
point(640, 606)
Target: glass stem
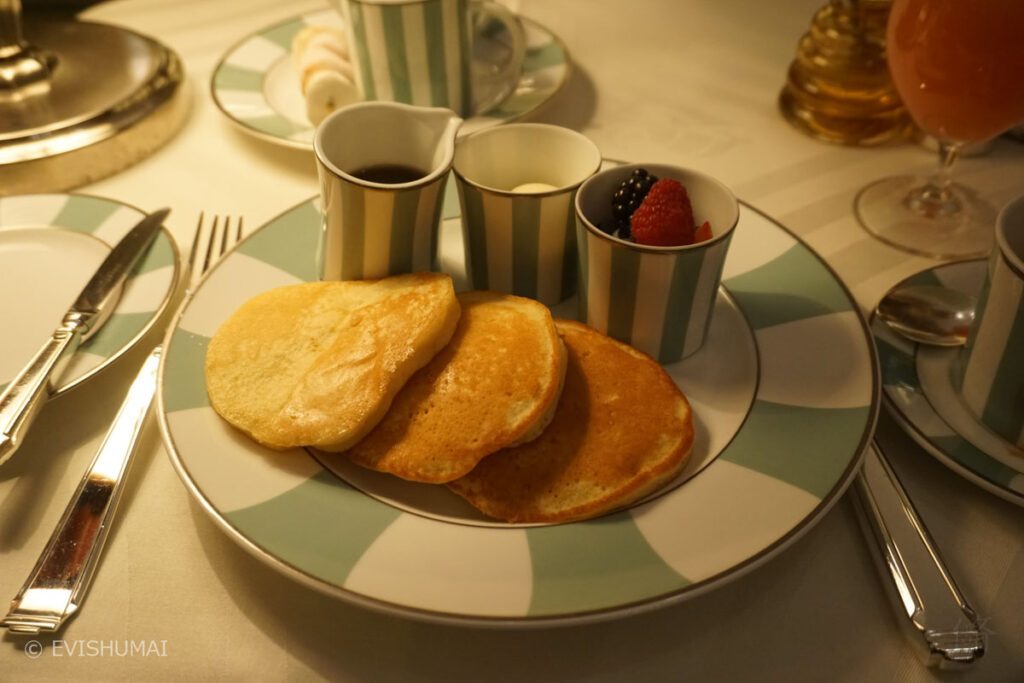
point(936, 199)
point(948, 154)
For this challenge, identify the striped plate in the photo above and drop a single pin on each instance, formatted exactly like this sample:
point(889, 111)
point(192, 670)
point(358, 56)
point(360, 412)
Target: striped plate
point(50, 245)
point(256, 86)
point(785, 397)
point(918, 391)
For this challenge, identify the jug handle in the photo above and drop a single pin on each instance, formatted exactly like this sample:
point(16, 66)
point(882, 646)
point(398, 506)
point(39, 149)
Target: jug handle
point(511, 70)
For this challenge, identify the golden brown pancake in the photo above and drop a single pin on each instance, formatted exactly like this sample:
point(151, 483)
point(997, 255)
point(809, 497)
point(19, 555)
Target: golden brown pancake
point(622, 429)
point(496, 383)
point(318, 363)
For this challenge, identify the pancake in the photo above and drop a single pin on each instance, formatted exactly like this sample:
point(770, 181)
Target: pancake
point(496, 383)
point(621, 430)
point(318, 363)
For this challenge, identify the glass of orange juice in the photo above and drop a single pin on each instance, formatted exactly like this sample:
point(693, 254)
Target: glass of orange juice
point(958, 66)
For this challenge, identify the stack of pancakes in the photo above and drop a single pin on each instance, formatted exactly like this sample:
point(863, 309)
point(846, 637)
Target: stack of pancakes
point(529, 419)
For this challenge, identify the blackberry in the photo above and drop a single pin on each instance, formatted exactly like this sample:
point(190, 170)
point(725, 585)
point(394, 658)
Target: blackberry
point(628, 198)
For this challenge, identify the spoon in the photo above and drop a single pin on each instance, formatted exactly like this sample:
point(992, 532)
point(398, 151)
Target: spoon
point(928, 314)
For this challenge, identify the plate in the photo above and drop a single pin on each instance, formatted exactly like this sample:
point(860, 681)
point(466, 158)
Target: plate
point(785, 397)
point(50, 245)
point(918, 392)
point(257, 88)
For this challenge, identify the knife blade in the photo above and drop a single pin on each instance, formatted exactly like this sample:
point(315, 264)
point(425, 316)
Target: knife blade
point(25, 395)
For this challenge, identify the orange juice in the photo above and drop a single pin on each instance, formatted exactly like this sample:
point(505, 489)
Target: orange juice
point(958, 65)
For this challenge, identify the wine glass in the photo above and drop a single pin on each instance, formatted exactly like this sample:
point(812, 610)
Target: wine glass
point(959, 68)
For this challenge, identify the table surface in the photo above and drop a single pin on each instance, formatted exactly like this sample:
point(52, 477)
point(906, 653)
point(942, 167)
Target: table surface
point(685, 82)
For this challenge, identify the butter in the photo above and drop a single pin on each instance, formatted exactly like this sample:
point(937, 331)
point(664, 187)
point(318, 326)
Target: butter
point(530, 188)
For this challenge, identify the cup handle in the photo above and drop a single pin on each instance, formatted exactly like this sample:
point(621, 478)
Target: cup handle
point(503, 82)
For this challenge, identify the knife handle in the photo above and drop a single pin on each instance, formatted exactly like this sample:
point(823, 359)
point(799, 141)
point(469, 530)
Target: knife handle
point(23, 398)
point(57, 585)
point(940, 624)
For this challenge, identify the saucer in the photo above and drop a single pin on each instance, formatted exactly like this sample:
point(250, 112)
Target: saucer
point(917, 385)
point(257, 88)
point(50, 245)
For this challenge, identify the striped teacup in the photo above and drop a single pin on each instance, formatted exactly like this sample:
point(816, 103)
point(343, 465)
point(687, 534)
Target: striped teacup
point(992, 362)
point(382, 167)
point(656, 299)
point(422, 52)
point(516, 187)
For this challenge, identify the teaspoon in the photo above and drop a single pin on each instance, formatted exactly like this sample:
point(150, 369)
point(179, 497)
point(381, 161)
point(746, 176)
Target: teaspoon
point(928, 314)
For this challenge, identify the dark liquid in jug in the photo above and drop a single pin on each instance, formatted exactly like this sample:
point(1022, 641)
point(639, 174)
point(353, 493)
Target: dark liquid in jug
point(390, 174)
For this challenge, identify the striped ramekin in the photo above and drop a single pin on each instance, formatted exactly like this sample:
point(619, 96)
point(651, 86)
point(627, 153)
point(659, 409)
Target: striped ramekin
point(992, 362)
point(656, 299)
point(522, 242)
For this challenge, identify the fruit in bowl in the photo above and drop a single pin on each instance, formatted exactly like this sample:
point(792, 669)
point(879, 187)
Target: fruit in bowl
point(654, 211)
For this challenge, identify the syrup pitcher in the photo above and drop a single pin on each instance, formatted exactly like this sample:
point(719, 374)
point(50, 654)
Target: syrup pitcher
point(383, 168)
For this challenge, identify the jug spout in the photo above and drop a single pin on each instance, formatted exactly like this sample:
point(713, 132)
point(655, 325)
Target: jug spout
point(378, 133)
point(444, 124)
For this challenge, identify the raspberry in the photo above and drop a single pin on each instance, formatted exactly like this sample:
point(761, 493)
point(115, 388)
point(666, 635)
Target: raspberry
point(665, 217)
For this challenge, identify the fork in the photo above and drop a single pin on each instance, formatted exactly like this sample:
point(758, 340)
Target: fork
point(57, 585)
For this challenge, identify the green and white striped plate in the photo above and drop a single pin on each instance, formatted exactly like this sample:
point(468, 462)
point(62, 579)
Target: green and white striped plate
point(785, 396)
point(50, 245)
point(256, 86)
point(918, 390)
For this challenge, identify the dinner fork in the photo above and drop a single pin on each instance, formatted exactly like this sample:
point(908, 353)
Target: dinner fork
point(60, 579)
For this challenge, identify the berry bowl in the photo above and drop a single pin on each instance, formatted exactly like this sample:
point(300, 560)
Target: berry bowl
point(658, 297)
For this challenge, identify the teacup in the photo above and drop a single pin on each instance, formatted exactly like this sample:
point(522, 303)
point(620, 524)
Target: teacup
point(421, 52)
point(382, 167)
point(656, 299)
point(992, 362)
point(516, 187)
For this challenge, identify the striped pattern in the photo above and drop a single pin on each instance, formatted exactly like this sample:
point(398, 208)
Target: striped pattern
point(414, 52)
point(993, 361)
point(257, 89)
point(931, 413)
point(146, 291)
point(373, 233)
point(751, 500)
point(659, 302)
point(523, 245)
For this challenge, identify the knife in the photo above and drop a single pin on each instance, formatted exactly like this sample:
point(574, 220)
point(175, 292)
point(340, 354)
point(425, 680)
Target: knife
point(25, 395)
point(940, 624)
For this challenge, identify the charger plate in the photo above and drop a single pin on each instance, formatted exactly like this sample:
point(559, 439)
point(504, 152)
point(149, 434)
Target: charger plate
point(50, 245)
point(785, 397)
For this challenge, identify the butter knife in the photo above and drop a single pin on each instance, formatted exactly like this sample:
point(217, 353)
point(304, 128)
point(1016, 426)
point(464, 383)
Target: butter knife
point(57, 585)
point(936, 618)
point(21, 401)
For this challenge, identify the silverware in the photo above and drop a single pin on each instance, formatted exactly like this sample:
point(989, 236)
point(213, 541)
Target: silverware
point(58, 583)
point(21, 401)
point(938, 621)
point(928, 314)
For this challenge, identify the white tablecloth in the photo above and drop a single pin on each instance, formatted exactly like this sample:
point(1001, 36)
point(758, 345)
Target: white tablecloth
point(683, 82)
